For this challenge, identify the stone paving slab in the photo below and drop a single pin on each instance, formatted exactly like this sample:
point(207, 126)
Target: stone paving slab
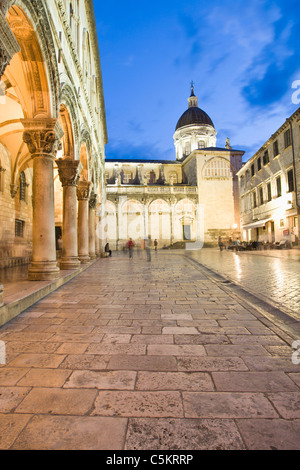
point(135, 356)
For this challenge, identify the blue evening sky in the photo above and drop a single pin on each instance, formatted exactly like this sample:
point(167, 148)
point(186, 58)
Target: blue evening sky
point(243, 57)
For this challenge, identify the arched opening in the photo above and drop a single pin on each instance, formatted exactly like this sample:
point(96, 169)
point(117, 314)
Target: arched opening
point(26, 95)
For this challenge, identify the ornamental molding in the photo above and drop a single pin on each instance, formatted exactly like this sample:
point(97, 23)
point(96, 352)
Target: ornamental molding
point(93, 202)
point(84, 190)
point(9, 46)
point(42, 137)
point(69, 171)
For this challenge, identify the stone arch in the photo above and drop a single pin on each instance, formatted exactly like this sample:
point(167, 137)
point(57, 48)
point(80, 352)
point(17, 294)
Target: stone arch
point(68, 103)
point(36, 13)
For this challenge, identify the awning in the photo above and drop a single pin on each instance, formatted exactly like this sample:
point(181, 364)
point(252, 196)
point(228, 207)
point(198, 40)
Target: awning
point(259, 223)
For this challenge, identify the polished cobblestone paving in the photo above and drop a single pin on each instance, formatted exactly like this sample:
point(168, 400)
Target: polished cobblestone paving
point(136, 355)
point(274, 274)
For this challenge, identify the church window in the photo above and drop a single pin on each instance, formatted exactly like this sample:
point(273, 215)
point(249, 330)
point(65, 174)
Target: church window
point(187, 148)
point(22, 186)
point(201, 144)
point(219, 168)
point(127, 177)
point(150, 177)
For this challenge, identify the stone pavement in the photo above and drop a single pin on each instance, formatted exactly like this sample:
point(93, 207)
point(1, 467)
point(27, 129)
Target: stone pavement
point(273, 275)
point(132, 355)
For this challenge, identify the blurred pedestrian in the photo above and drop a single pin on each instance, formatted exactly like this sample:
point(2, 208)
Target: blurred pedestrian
point(108, 250)
point(155, 244)
point(130, 246)
point(220, 243)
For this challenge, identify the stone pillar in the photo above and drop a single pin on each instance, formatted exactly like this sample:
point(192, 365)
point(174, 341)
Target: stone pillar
point(41, 140)
point(83, 194)
point(69, 177)
point(92, 229)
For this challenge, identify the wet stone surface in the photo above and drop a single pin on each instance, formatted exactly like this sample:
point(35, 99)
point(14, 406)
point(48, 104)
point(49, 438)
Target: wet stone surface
point(135, 356)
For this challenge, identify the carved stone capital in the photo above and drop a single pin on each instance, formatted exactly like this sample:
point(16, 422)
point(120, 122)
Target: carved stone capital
point(41, 137)
point(83, 190)
point(68, 170)
point(93, 201)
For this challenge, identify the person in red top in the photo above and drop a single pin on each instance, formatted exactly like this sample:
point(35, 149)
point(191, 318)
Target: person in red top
point(130, 245)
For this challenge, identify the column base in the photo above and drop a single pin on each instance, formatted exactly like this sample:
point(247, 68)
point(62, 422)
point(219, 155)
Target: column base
point(84, 259)
point(39, 271)
point(69, 263)
point(93, 256)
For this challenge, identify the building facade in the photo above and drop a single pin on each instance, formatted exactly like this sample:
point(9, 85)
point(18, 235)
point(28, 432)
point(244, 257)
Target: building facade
point(52, 135)
point(189, 201)
point(269, 187)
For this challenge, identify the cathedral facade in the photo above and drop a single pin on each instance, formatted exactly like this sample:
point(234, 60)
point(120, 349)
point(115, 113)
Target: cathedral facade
point(188, 202)
point(52, 136)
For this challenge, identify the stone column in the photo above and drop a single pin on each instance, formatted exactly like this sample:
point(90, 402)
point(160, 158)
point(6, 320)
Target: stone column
point(83, 194)
point(69, 177)
point(41, 140)
point(92, 229)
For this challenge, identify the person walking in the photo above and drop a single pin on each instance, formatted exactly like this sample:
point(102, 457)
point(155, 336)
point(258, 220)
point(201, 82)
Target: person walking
point(108, 250)
point(155, 245)
point(130, 246)
point(220, 243)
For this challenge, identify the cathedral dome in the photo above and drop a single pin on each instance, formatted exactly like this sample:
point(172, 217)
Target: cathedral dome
point(194, 116)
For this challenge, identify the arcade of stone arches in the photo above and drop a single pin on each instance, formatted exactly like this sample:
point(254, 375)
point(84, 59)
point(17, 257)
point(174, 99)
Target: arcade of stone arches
point(166, 221)
point(51, 159)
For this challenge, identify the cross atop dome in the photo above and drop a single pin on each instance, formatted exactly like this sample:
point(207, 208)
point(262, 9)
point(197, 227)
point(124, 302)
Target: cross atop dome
point(193, 100)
